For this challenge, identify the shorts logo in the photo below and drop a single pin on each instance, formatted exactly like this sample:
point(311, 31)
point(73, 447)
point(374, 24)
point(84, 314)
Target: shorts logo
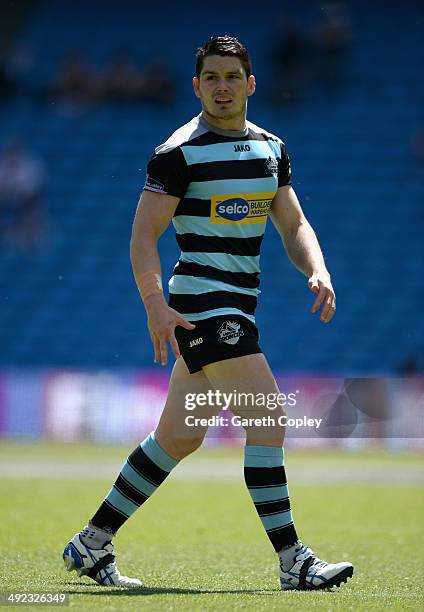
point(230, 332)
point(244, 208)
point(196, 342)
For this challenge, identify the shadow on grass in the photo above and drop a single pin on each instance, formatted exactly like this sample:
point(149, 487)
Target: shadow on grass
point(146, 590)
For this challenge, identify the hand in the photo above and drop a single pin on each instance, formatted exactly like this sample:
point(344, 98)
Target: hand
point(320, 283)
point(162, 321)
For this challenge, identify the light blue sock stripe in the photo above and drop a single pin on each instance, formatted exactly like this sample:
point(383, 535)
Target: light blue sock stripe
point(120, 502)
point(263, 456)
point(269, 494)
point(137, 481)
point(157, 454)
point(277, 520)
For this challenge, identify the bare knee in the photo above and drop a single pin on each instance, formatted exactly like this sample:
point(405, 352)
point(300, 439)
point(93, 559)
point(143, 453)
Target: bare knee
point(178, 446)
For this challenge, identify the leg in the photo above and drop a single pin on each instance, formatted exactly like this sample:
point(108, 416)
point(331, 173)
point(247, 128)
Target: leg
point(144, 470)
point(265, 474)
point(264, 457)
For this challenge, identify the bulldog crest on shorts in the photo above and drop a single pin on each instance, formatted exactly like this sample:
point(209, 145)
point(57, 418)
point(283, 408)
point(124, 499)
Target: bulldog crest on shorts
point(230, 332)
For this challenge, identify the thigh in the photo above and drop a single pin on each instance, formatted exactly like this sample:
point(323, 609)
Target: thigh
point(183, 393)
point(248, 380)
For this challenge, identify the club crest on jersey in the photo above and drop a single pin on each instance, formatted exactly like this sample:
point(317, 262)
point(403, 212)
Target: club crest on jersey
point(230, 332)
point(244, 208)
point(271, 165)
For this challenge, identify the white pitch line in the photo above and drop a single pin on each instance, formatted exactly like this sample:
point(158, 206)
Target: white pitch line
point(217, 470)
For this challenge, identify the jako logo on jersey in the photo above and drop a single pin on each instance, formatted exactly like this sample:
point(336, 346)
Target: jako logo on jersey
point(243, 208)
point(241, 148)
point(196, 342)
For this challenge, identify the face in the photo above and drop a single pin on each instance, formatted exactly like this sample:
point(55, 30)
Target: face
point(223, 89)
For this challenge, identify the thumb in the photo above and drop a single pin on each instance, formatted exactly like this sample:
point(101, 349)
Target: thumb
point(313, 284)
point(181, 321)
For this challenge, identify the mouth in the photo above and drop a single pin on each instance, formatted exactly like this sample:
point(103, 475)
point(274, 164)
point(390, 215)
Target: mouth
point(223, 100)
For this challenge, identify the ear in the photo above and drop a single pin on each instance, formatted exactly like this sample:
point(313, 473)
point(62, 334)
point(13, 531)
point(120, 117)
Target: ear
point(251, 85)
point(196, 86)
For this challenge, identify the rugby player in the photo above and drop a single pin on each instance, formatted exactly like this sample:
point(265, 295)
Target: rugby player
point(217, 178)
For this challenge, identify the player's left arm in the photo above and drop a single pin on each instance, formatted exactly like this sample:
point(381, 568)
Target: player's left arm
point(303, 249)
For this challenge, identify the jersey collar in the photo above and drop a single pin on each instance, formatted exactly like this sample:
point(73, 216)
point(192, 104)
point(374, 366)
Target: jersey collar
point(221, 132)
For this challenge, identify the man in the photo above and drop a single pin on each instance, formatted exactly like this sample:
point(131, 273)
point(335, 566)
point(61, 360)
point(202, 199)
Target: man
point(217, 178)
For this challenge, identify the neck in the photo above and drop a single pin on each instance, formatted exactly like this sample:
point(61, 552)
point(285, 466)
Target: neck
point(237, 124)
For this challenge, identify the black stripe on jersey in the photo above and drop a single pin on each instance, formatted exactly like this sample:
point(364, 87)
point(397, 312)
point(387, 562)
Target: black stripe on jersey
point(192, 243)
point(230, 169)
point(213, 138)
point(238, 279)
point(193, 207)
point(188, 302)
point(265, 477)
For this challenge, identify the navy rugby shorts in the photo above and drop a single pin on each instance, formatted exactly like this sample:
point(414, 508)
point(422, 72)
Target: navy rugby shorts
point(216, 339)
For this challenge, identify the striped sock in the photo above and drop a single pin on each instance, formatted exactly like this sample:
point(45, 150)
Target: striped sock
point(266, 480)
point(144, 470)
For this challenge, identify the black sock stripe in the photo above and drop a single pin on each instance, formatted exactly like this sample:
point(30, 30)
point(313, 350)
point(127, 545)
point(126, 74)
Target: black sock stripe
point(147, 468)
point(108, 517)
point(128, 491)
point(112, 507)
point(281, 505)
point(265, 477)
point(282, 536)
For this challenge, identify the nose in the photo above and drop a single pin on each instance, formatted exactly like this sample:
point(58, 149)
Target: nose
point(222, 85)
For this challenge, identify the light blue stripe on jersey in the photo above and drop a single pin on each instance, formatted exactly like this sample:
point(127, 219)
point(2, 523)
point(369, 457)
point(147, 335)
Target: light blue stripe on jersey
point(180, 283)
point(204, 190)
point(216, 312)
point(121, 502)
point(224, 261)
point(137, 481)
point(277, 520)
point(186, 224)
point(269, 493)
point(225, 151)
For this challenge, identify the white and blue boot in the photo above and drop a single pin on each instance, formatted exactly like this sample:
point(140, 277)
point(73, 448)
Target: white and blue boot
point(310, 573)
point(98, 564)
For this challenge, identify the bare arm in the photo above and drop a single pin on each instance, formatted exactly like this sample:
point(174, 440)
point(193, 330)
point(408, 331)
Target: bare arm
point(303, 249)
point(153, 215)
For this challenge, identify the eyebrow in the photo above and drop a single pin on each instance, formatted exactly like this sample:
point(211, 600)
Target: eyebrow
point(228, 72)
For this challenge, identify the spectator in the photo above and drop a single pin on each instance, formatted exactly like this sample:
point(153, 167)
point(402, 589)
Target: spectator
point(289, 62)
point(333, 40)
point(76, 84)
point(22, 179)
point(121, 80)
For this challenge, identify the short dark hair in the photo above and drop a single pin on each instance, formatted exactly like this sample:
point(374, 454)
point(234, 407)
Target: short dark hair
point(223, 45)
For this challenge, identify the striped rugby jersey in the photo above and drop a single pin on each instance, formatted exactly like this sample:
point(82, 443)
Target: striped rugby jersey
point(226, 181)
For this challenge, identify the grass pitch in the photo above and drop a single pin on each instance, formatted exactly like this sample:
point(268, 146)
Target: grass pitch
point(199, 545)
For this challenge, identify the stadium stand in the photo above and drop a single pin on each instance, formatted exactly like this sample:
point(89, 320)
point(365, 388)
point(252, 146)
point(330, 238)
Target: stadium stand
point(73, 303)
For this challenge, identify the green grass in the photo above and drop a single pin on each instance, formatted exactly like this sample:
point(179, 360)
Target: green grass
point(200, 545)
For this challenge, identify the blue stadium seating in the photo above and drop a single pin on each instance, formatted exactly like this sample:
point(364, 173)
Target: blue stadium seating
point(75, 304)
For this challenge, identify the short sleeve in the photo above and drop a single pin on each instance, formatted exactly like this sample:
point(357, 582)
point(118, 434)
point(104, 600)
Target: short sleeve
point(167, 173)
point(284, 170)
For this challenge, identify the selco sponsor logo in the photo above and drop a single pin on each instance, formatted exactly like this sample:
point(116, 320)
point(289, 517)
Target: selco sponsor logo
point(241, 208)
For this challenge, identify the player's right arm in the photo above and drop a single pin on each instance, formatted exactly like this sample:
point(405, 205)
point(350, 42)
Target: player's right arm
point(153, 215)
